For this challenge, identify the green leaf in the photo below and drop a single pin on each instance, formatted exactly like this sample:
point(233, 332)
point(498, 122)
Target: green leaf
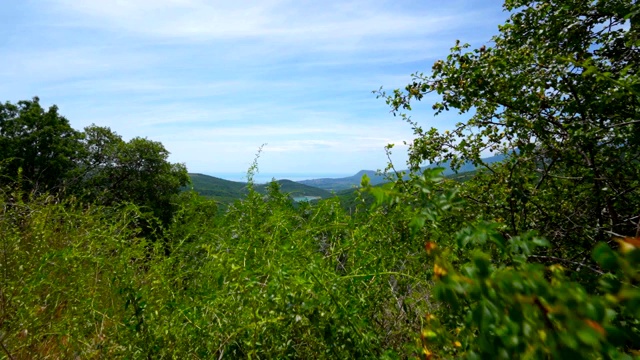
point(541, 242)
point(416, 224)
point(605, 257)
point(588, 336)
point(482, 263)
point(365, 182)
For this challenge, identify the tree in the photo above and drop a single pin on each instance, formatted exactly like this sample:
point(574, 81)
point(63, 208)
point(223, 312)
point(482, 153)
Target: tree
point(136, 171)
point(556, 93)
point(43, 153)
point(36, 145)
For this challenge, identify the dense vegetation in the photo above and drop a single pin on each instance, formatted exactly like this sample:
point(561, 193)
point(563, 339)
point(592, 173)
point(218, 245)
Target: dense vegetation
point(536, 256)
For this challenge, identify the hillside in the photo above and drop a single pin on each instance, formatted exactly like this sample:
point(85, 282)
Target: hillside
point(297, 189)
point(345, 183)
point(226, 191)
point(349, 182)
point(222, 190)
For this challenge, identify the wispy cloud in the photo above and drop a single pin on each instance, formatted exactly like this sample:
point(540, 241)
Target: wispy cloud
point(213, 80)
point(287, 21)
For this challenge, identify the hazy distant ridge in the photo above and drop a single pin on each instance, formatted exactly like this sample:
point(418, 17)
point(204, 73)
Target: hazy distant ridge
point(337, 184)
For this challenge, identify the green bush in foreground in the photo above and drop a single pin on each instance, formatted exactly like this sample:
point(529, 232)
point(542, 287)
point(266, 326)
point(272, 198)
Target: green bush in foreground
point(266, 280)
point(495, 301)
point(531, 311)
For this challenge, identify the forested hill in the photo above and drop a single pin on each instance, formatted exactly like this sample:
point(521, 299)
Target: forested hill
point(226, 191)
point(350, 182)
point(219, 189)
point(337, 184)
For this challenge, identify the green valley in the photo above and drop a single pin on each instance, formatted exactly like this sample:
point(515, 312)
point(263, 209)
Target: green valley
point(226, 192)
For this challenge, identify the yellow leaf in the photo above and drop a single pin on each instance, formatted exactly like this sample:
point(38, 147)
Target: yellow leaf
point(439, 271)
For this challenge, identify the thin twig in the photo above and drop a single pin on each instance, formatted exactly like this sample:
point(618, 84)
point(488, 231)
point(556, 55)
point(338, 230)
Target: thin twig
point(626, 123)
point(558, 176)
point(5, 349)
point(612, 233)
point(400, 178)
point(568, 261)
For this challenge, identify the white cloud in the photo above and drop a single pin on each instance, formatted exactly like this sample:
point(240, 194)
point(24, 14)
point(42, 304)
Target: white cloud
point(284, 20)
point(277, 26)
point(213, 79)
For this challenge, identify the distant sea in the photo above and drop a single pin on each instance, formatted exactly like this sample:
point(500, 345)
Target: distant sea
point(262, 178)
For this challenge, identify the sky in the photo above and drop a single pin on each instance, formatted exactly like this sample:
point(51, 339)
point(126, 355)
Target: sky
point(214, 80)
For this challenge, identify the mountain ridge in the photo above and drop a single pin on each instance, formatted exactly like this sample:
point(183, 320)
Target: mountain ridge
point(348, 182)
point(227, 191)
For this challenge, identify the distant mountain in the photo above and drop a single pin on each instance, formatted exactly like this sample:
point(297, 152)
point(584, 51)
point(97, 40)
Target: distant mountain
point(349, 182)
point(227, 192)
point(344, 183)
point(297, 189)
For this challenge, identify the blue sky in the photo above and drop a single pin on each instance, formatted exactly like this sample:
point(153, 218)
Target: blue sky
point(213, 80)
